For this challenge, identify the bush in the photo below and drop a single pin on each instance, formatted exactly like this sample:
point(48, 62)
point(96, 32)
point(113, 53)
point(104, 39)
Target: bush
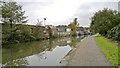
point(21, 33)
point(114, 33)
point(55, 35)
point(104, 20)
point(73, 33)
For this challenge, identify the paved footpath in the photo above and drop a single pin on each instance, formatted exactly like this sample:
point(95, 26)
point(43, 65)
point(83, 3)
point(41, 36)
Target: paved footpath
point(88, 54)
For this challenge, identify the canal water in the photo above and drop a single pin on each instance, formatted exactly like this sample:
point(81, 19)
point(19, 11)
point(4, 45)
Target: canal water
point(39, 53)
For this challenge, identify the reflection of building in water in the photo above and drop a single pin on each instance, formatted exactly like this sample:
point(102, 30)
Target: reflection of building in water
point(63, 30)
point(63, 44)
point(69, 41)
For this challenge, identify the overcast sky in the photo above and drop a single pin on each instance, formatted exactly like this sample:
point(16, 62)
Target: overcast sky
point(62, 12)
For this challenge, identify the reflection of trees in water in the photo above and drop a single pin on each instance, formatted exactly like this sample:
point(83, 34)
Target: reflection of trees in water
point(50, 46)
point(24, 50)
point(32, 48)
point(42, 55)
point(51, 43)
point(73, 42)
point(47, 47)
point(18, 62)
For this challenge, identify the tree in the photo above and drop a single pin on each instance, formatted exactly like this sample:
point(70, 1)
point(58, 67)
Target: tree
point(73, 26)
point(12, 13)
point(114, 33)
point(104, 20)
point(50, 31)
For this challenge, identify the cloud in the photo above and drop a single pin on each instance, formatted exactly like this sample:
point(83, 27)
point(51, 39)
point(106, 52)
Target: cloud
point(87, 10)
point(119, 6)
point(64, 11)
point(56, 12)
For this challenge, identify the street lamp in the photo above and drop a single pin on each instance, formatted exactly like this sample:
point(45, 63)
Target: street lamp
point(44, 21)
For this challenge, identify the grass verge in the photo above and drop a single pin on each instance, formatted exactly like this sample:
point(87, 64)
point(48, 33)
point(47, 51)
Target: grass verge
point(109, 49)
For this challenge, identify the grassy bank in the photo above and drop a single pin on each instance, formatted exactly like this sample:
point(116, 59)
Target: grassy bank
point(109, 49)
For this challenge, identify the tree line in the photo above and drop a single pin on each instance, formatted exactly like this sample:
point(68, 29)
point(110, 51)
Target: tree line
point(15, 29)
point(107, 23)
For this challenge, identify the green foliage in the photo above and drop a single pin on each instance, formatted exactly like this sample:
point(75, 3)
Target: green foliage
point(73, 42)
point(109, 49)
point(12, 13)
point(73, 26)
point(119, 53)
point(107, 23)
point(55, 35)
point(73, 33)
point(22, 33)
point(104, 20)
point(38, 32)
point(15, 31)
point(49, 31)
point(12, 32)
point(114, 33)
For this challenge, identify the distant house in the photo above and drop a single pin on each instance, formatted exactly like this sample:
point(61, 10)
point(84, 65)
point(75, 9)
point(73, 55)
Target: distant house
point(54, 31)
point(80, 31)
point(68, 30)
point(87, 31)
point(83, 31)
point(62, 30)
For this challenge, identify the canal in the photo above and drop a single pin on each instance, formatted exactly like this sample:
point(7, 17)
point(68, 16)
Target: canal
point(39, 53)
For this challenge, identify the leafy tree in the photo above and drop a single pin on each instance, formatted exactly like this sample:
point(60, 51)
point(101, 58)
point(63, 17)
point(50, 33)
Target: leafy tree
point(107, 23)
point(12, 13)
point(104, 20)
point(114, 33)
point(23, 33)
point(49, 31)
point(73, 26)
point(38, 30)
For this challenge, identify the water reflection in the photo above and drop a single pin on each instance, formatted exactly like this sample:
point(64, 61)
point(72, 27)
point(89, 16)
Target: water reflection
point(42, 53)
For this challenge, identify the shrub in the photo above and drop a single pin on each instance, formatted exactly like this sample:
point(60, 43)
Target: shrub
point(114, 33)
